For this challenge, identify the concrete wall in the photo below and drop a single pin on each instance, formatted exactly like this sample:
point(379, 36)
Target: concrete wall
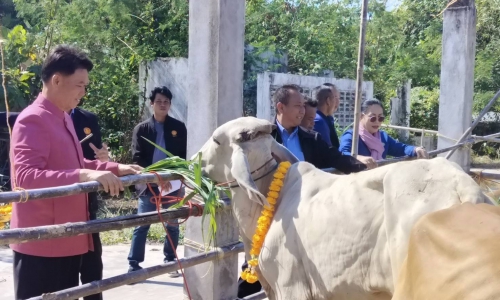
point(268, 82)
point(169, 72)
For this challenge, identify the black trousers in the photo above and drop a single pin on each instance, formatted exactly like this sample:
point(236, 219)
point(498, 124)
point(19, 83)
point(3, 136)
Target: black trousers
point(246, 289)
point(36, 275)
point(91, 268)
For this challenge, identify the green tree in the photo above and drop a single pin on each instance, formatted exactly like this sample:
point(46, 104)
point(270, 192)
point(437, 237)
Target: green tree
point(316, 35)
point(424, 108)
point(21, 68)
point(118, 35)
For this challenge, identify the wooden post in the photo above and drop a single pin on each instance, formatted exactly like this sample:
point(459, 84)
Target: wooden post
point(23, 235)
point(79, 188)
point(359, 78)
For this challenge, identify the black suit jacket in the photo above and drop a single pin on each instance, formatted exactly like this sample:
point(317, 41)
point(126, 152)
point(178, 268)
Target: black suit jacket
point(175, 134)
point(317, 152)
point(12, 119)
point(85, 123)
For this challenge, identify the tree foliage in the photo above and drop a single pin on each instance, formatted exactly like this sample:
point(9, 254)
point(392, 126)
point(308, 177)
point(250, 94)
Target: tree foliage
point(316, 35)
point(117, 34)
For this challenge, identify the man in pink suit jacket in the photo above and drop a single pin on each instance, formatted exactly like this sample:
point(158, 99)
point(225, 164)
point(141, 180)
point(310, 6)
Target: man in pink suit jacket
point(45, 152)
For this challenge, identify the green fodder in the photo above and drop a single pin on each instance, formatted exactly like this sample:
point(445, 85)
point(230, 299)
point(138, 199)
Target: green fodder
point(206, 189)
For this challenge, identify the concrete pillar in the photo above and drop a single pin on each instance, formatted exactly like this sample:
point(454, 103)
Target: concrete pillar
point(216, 279)
point(170, 72)
point(401, 109)
point(215, 96)
point(457, 76)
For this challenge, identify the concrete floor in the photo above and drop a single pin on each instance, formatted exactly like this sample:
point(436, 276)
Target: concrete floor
point(115, 263)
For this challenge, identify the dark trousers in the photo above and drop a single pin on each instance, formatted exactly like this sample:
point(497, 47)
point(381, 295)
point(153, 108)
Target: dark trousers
point(91, 268)
point(36, 275)
point(246, 289)
point(139, 237)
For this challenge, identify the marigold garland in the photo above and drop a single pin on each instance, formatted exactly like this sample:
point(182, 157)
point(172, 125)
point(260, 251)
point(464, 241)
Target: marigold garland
point(264, 222)
point(5, 213)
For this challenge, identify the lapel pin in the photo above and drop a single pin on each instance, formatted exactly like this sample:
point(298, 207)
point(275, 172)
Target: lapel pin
point(87, 130)
point(174, 133)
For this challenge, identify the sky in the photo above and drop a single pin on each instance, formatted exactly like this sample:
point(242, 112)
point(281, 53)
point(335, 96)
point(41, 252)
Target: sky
point(392, 4)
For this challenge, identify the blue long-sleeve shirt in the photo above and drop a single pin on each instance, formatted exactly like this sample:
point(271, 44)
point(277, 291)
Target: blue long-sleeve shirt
point(291, 141)
point(391, 146)
point(325, 125)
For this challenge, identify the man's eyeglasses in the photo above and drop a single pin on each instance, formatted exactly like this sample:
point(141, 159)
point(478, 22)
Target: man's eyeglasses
point(374, 119)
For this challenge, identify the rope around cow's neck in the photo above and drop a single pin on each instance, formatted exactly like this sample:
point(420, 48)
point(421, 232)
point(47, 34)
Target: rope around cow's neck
point(254, 171)
point(264, 222)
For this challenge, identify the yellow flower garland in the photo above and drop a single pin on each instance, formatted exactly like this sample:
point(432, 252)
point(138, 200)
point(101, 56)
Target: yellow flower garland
point(264, 222)
point(5, 213)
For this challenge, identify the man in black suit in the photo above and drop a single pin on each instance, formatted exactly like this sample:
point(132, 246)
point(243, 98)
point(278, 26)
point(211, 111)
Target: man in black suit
point(86, 123)
point(170, 134)
point(4, 153)
point(306, 145)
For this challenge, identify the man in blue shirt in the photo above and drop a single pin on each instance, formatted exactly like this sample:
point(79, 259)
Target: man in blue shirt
point(306, 145)
point(328, 98)
point(288, 118)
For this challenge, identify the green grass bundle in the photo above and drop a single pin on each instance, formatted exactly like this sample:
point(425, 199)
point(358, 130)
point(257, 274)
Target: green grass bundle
point(190, 170)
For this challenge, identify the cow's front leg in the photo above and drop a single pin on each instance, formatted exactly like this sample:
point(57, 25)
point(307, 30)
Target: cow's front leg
point(271, 295)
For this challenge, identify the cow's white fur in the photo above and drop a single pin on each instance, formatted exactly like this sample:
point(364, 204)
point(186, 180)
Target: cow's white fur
point(333, 236)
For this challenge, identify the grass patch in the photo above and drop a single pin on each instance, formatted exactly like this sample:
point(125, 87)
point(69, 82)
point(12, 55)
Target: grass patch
point(156, 235)
point(123, 207)
point(484, 161)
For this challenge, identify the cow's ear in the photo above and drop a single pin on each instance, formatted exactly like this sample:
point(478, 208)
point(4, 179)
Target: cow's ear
point(240, 171)
point(280, 153)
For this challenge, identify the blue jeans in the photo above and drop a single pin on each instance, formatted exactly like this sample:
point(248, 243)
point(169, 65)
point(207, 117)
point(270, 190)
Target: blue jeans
point(138, 246)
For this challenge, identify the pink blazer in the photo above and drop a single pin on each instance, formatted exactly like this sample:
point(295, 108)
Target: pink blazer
point(45, 152)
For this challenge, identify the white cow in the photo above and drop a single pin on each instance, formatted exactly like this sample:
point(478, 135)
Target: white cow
point(332, 236)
